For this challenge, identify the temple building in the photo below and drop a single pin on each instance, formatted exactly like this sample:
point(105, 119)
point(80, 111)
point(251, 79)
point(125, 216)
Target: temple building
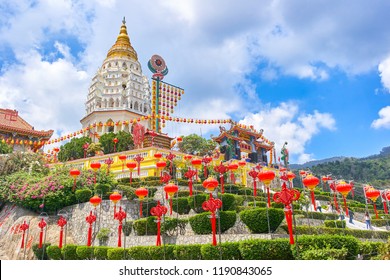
point(119, 92)
point(18, 133)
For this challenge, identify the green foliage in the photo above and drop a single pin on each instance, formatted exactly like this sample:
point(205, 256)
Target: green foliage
point(83, 195)
point(54, 252)
point(261, 204)
point(103, 235)
point(201, 223)
point(85, 252)
point(139, 253)
point(125, 142)
point(162, 252)
point(94, 149)
point(335, 224)
point(260, 249)
point(69, 252)
point(188, 252)
point(29, 162)
point(5, 148)
point(148, 204)
point(369, 249)
point(100, 252)
point(384, 251)
point(308, 242)
point(128, 191)
point(102, 190)
point(256, 219)
point(180, 205)
point(41, 253)
point(116, 254)
point(320, 216)
point(324, 254)
point(73, 149)
point(148, 226)
point(224, 251)
point(196, 202)
point(127, 227)
point(229, 202)
point(380, 222)
point(195, 144)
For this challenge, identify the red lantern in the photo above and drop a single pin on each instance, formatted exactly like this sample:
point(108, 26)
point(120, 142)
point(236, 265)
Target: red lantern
point(90, 219)
point(74, 173)
point(115, 197)
point(212, 205)
point(171, 189)
point(311, 182)
point(385, 198)
point(95, 166)
point(344, 188)
point(42, 224)
point(373, 194)
point(115, 140)
point(266, 176)
point(131, 165)
point(141, 193)
point(232, 167)
point(61, 223)
point(187, 157)
point(157, 155)
point(95, 200)
point(197, 164)
point(160, 166)
point(221, 169)
point(302, 173)
point(123, 159)
point(179, 139)
point(210, 184)
point(158, 211)
point(120, 216)
point(291, 177)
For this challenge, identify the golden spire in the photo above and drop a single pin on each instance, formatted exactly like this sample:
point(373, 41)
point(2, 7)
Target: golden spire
point(122, 46)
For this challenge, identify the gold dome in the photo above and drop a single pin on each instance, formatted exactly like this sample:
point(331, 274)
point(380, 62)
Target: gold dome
point(122, 46)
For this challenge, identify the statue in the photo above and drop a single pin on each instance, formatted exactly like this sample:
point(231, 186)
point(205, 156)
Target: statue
point(222, 129)
point(285, 156)
point(138, 132)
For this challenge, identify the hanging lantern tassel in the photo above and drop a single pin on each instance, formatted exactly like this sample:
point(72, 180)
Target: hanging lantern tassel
point(221, 169)
point(61, 223)
point(120, 216)
point(23, 227)
point(212, 205)
point(158, 211)
point(90, 220)
point(42, 224)
point(190, 174)
point(253, 173)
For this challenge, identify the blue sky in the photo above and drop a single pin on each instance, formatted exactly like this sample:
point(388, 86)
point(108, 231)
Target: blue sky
point(313, 73)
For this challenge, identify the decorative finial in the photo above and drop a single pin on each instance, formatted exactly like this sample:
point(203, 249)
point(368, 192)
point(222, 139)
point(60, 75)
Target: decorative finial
point(124, 20)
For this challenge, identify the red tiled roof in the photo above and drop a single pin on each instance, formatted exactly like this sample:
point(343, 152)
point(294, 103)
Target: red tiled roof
point(10, 121)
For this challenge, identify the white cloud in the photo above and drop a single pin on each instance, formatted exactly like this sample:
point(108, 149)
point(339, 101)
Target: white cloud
point(384, 119)
point(285, 123)
point(384, 72)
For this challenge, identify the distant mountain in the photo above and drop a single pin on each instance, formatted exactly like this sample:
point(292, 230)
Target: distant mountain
point(312, 163)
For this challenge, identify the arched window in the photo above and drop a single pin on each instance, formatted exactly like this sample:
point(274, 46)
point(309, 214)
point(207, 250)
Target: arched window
point(110, 127)
point(111, 103)
point(117, 102)
point(136, 106)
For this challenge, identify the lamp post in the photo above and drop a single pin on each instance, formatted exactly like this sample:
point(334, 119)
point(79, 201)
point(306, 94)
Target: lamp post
point(158, 211)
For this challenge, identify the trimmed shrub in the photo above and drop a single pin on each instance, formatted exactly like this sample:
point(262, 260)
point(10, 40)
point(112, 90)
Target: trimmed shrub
point(256, 219)
point(188, 252)
point(325, 254)
point(309, 242)
point(201, 224)
point(103, 235)
point(261, 204)
point(162, 252)
point(335, 224)
point(180, 205)
point(41, 253)
point(148, 226)
point(228, 202)
point(128, 191)
point(224, 251)
point(148, 204)
point(380, 222)
point(54, 252)
point(69, 252)
point(320, 216)
point(261, 249)
point(83, 195)
point(368, 249)
point(127, 227)
point(116, 254)
point(101, 252)
point(384, 251)
point(183, 193)
point(245, 191)
point(138, 253)
point(174, 226)
point(85, 252)
point(102, 189)
point(196, 202)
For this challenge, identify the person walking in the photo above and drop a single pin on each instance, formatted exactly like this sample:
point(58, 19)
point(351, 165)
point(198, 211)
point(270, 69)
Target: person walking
point(351, 215)
point(368, 220)
point(318, 204)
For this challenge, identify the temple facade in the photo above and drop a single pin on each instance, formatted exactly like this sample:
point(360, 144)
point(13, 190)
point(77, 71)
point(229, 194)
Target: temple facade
point(119, 92)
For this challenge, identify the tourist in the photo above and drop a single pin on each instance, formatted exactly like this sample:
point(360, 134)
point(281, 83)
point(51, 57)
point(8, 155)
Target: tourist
point(318, 204)
point(342, 217)
point(351, 214)
point(368, 220)
point(330, 207)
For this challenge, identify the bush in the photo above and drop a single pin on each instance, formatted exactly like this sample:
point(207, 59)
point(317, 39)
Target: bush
point(183, 193)
point(127, 227)
point(224, 251)
point(102, 189)
point(116, 254)
point(261, 204)
point(228, 202)
point(138, 253)
point(256, 219)
point(368, 249)
point(162, 252)
point(320, 216)
point(83, 195)
point(380, 222)
point(325, 254)
point(180, 205)
point(309, 242)
point(201, 224)
point(260, 249)
point(245, 191)
point(148, 204)
point(148, 226)
point(41, 253)
point(101, 252)
point(69, 252)
point(384, 251)
point(128, 191)
point(335, 224)
point(103, 235)
point(188, 252)
point(196, 202)
point(85, 252)
point(54, 252)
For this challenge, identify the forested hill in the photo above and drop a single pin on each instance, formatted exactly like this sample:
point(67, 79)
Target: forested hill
point(374, 170)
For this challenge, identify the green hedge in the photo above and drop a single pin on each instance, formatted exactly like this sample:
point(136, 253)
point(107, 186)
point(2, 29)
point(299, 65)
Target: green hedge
point(224, 251)
point(320, 216)
point(138, 253)
point(148, 226)
point(369, 249)
point(83, 195)
point(69, 252)
point(100, 252)
point(335, 224)
point(41, 253)
point(102, 190)
point(180, 205)
point(201, 224)
point(116, 254)
point(147, 204)
point(188, 252)
point(53, 252)
point(162, 252)
point(256, 219)
point(196, 201)
point(127, 228)
point(384, 251)
point(325, 254)
point(85, 252)
point(380, 222)
point(261, 204)
point(183, 193)
point(261, 249)
point(308, 242)
point(127, 191)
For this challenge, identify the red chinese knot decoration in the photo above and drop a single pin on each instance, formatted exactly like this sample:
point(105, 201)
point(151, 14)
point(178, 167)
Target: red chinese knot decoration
point(61, 223)
point(212, 205)
point(42, 224)
point(189, 174)
point(120, 216)
point(23, 227)
point(90, 219)
point(221, 169)
point(158, 211)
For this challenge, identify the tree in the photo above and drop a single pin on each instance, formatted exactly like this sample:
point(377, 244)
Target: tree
point(125, 142)
point(197, 145)
point(94, 148)
point(73, 149)
point(5, 148)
